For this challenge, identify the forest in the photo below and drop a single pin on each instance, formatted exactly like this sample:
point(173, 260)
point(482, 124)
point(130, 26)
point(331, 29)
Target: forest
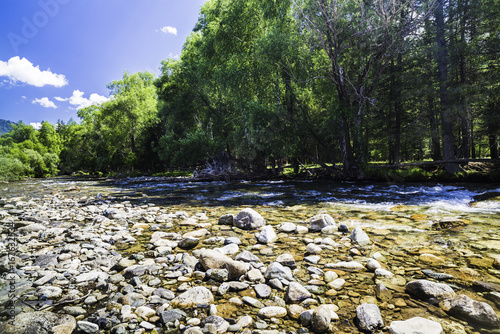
point(342, 84)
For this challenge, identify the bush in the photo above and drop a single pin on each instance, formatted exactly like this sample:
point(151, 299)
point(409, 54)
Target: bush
point(51, 161)
point(36, 163)
point(12, 169)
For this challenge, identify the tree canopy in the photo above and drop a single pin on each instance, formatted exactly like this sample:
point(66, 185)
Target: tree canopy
point(260, 83)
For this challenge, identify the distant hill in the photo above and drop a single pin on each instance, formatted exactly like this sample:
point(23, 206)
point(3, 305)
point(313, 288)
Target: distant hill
point(5, 126)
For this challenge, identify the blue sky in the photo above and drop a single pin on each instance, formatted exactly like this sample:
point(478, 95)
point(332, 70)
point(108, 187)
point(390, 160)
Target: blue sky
point(58, 55)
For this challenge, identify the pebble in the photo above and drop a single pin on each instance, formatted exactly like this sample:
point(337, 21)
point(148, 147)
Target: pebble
point(272, 312)
point(87, 327)
point(262, 290)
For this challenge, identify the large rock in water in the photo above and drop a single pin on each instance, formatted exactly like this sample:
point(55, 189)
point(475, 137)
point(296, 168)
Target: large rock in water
point(369, 317)
point(198, 296)
point(466, 308)
point(416, 325)
point(318, 222)
point(425, 289)
point(249, 219)
point(40, 323)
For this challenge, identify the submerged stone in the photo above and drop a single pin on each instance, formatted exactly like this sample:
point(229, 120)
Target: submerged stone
point(416, 325)
point(425, 289)
point(464, 307)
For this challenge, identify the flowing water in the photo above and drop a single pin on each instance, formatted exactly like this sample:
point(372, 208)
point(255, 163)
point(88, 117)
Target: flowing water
point(459, 223)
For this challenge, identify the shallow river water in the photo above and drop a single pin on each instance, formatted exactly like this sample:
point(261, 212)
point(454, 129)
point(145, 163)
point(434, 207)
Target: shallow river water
point(458, 223)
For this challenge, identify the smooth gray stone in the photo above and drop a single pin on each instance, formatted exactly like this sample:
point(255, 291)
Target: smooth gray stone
point(369, 317)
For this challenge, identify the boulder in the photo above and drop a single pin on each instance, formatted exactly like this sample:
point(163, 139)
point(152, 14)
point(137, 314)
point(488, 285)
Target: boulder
point(249, 219)
point(247, 256)
point(373, 264)
point(287, 260)
point(87, 327)
point(262, 290)
point(287, 227)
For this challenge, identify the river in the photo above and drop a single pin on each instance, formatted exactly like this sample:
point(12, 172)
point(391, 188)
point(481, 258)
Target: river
point(457, 223)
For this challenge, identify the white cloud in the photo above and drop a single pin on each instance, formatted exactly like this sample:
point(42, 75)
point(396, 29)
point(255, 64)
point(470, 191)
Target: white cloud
point(81, 102)
point(61, 99)
point(23, 97)
point(45, 102)
point(169, 30)
point(22, 70)
point(37, 126)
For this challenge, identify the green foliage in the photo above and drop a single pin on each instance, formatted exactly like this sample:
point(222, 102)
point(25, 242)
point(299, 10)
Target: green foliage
point(12, 169)
point(339, 83)
point(27, 152)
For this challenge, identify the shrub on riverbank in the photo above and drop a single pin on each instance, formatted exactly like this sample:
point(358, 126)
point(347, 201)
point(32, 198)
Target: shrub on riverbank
point(12, 169)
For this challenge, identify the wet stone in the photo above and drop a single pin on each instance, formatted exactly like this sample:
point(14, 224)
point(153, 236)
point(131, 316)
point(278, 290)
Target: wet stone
point(296, 293)
point(262, 290)
point(415, 325)
point(314, 259)
point(369, 317)
point(425, 289)
point(318, 222)
point(87, 327)
point(464, 307)
point(272, 312)
point(252, 302)
point(360, 237)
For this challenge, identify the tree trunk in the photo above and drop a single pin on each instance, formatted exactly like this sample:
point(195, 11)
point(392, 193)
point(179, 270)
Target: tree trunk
point(465, 114)
point(446, 116)
point(493, 146)
point(398, 109)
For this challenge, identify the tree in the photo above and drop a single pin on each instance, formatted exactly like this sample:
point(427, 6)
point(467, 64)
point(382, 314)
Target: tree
point(360, 38)
point(116, 127)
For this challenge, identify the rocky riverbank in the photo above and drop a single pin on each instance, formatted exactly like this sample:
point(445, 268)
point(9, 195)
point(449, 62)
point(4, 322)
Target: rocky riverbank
point(77, 264)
